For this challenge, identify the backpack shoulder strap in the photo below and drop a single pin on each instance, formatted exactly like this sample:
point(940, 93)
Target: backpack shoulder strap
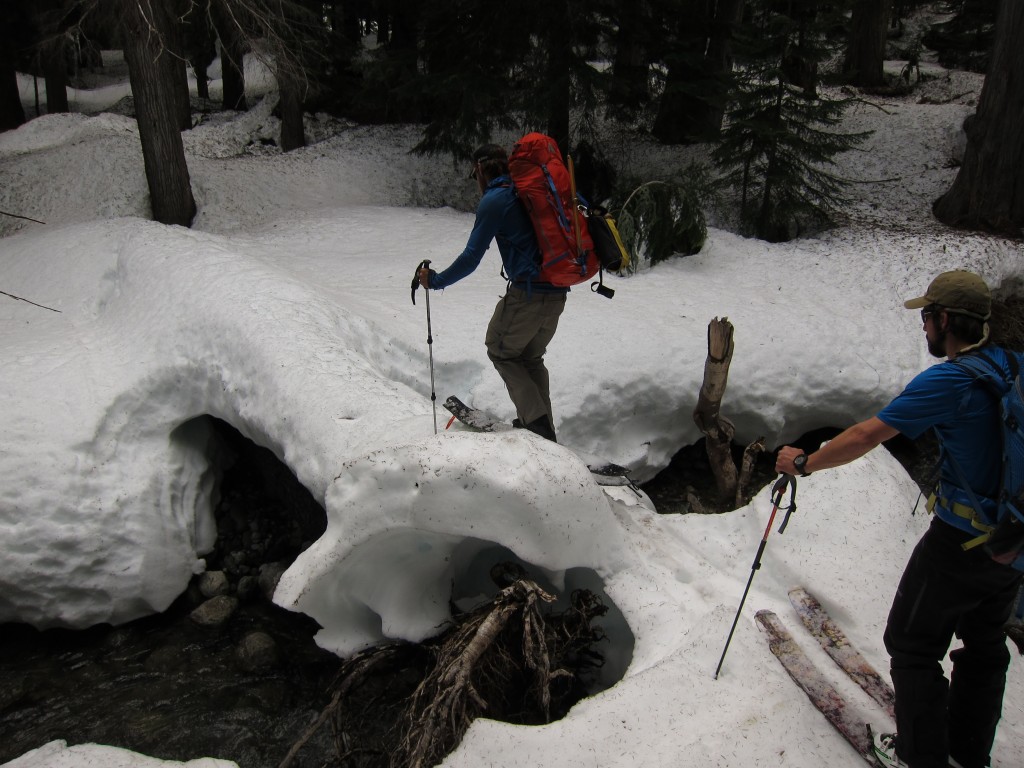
point(1013, 358)
point(987, 371)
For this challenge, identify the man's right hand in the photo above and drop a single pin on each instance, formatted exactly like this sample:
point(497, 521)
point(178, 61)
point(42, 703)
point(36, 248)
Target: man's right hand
point(784, 460)
point(425, 277)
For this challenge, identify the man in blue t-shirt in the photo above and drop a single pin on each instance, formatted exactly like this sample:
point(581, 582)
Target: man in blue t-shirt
point(945, 589)
point(525, 320)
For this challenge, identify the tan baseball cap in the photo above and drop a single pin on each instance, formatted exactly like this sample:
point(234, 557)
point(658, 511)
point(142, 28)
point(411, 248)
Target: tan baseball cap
point(960, 292)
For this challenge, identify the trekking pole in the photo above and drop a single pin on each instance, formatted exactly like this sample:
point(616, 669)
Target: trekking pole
point(425, 264)
point(778, 490)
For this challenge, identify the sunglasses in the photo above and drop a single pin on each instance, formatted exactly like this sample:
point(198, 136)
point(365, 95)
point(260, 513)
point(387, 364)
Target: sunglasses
point(928, 312)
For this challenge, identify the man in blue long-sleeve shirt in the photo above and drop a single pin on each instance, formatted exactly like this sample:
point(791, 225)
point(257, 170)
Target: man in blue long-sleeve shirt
point(525, 320)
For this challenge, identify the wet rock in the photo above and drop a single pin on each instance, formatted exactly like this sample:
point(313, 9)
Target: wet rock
point(168, 658)
point(214, 583)
point(12, 690)
point(215, 612)
point(248, 587)
point(257, 651)
point(270, 575)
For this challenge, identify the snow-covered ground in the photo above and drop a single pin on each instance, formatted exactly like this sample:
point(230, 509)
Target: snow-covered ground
point(285, 311)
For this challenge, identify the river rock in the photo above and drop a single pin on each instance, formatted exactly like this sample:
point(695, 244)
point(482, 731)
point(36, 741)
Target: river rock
point(214, 583)
point(256, 651)
point(270, 574)
point(248, 586)
point(166, 658)
point(215, 611)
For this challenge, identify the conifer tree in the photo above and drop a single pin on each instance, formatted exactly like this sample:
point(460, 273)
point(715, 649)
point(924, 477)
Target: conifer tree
point(781, 136)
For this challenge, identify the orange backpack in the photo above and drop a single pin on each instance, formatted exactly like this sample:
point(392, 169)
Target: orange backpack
point(546, 189)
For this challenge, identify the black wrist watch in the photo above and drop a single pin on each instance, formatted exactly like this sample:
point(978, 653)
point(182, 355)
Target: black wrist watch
point(800, 462)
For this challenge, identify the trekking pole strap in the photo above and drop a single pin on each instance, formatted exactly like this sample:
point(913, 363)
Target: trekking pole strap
point(780, 486)
point(778, 491)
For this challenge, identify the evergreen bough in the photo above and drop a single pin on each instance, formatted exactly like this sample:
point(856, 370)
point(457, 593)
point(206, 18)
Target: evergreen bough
point(661, 219)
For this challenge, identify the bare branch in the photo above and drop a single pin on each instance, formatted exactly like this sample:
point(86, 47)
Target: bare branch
point(26, 218)
point(18, 298)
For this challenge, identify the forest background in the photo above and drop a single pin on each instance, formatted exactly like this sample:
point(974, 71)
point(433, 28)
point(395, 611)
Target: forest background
point(764, 82)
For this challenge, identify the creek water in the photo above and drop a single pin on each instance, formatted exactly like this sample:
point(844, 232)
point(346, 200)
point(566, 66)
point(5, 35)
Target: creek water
point(166, 687)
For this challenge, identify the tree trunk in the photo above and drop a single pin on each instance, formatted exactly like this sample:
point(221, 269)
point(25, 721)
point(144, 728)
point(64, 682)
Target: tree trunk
point(293, 133)
point(201, 61)
point(347, 18)
point(232, 57)
point(693, 103)
point(718, 60)
point(173, 11)
point(717, 429)
point(629, 89)
point(559, 63)
point(152, 70)
point(988, 192)
point(799, 65)
point(672, 124)
point(199, 44)
point(55, 73)
point(403, 53)
point(12, 113)
point(869, 25)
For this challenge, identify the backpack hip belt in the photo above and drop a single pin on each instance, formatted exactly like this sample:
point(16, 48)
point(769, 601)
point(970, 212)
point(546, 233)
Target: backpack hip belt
point(1004, 538)
point(965, 511)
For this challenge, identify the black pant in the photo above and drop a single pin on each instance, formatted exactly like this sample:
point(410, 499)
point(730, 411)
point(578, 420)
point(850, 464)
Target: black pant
point(946, 590)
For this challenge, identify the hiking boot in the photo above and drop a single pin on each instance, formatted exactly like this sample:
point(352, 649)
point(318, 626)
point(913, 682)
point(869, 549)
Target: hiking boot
point(542, 427)
point(884, 747)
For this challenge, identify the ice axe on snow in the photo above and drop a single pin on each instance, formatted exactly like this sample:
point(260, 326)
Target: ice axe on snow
point(778, 491)
point(425, 264)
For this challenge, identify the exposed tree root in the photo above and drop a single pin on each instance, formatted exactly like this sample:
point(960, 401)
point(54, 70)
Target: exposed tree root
point(407, 706)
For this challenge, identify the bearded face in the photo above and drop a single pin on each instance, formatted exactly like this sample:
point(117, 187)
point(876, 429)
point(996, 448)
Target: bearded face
point(935, 333)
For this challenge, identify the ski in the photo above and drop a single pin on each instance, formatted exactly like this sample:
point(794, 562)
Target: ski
point(844, 717)
point(474, 417)
point(605, 473)
point(835, 643)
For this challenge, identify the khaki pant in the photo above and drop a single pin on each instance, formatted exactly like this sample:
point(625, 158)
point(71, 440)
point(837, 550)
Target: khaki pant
point(517, 337)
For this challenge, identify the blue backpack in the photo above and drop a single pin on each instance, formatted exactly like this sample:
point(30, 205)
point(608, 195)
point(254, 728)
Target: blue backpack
point(1005, 542)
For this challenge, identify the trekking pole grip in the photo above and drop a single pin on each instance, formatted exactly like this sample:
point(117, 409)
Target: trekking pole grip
point(425, 264)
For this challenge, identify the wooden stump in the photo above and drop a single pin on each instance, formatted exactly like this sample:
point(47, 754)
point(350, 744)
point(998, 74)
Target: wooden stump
point(717, 429)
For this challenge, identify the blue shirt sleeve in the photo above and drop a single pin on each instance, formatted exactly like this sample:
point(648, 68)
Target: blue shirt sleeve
point(965, 418)
point(929, 399)
point(488, 219)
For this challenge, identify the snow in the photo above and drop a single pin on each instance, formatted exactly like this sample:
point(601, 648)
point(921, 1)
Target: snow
point(285, 312)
